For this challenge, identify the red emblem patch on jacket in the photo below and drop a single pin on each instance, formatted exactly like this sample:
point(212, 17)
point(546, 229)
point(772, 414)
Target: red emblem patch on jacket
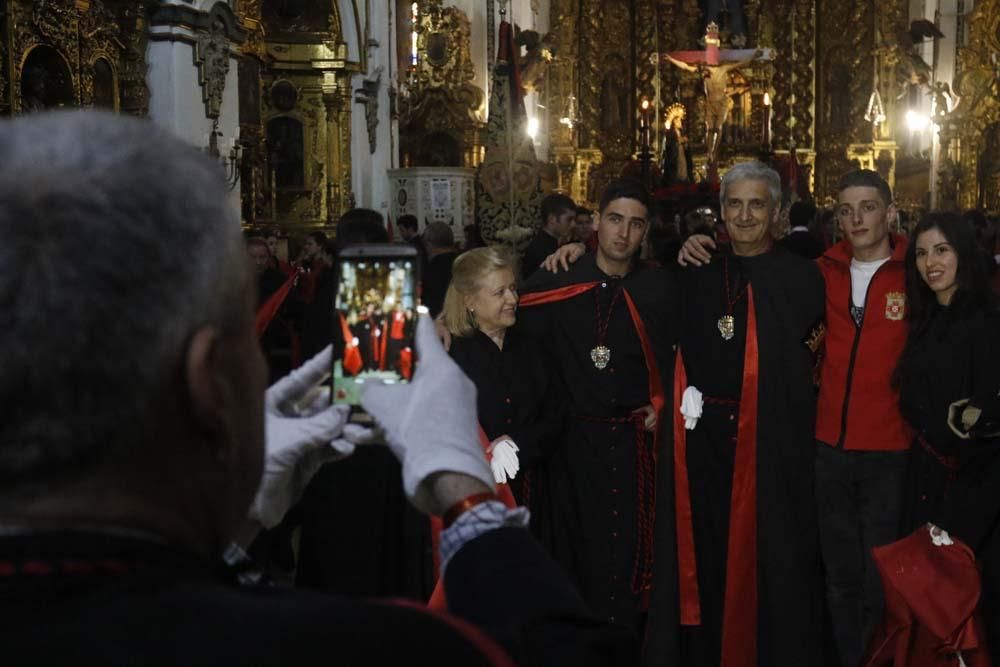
point(895, 305)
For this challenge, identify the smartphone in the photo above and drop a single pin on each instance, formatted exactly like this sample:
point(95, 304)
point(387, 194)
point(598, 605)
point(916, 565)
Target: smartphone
point(375, 310)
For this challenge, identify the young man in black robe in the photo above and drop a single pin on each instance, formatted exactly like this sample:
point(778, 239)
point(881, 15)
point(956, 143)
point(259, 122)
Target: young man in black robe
point(748, 582)
point(606, 325)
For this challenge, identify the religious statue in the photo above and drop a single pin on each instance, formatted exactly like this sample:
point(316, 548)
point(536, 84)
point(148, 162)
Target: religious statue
point(728, 14)
point(677, 164)
point(912, 71)
point(949, 175)
point(945, 101)
point(614, 97)
point(538, 54)
point(714, 66)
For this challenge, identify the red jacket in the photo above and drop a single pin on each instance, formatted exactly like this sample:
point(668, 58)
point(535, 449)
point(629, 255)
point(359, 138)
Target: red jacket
point(858, 408)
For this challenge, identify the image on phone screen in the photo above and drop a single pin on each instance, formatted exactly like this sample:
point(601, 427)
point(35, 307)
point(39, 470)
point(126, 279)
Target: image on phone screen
point(376, 310)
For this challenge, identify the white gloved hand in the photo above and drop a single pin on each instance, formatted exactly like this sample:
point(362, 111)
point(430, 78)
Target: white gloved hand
point(303, 431)
point(430, 423)
point(939, 536)
point(504, 462)
point(691, 406)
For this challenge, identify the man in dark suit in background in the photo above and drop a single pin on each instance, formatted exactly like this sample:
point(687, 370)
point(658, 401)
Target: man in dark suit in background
point(800, 239)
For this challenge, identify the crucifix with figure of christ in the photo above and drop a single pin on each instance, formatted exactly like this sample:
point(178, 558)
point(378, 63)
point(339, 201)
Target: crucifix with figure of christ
point(714, 65)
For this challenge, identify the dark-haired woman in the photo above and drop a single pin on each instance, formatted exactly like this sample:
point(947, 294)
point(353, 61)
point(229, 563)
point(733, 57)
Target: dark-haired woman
point(949, 378)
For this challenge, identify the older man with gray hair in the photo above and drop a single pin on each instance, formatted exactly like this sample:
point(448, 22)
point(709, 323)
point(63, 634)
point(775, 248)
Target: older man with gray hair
point(138, 442)
point(749, 580)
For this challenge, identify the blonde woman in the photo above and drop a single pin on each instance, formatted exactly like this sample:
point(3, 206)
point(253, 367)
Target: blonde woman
point(519, 410)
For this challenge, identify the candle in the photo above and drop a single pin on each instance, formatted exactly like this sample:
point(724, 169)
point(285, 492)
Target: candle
point(767, 120)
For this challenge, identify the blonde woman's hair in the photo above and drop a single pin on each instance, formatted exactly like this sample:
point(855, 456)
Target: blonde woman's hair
point(467, 274)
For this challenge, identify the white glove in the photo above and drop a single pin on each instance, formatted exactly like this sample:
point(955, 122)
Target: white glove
point(504, 462)
point(939, 536)
point(430, 423)
point(691, 405)
point(303, 431)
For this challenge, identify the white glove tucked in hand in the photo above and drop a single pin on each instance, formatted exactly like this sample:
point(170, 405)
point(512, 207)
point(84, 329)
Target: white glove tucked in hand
point(691, 406)
point(430, 422)
point(504, 462)
point(303, 431)
point(939, 536)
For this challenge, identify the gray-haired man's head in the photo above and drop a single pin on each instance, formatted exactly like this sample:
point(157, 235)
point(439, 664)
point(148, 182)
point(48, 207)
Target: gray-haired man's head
point(122, 271)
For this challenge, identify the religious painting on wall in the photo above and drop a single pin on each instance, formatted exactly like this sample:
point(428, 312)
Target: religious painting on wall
point(105, 93)
point(285, 140)
point(46, 82)
point(288, 16)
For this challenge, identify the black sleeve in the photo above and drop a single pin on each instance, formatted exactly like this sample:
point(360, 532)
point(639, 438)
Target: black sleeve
point(537, 440)
point(986, 370)
point(504, 583)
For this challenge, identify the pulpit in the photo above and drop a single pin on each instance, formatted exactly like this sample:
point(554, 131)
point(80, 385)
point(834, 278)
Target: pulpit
point(434, 194)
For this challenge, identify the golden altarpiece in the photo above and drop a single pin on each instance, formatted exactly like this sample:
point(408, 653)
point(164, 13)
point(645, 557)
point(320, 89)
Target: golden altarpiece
point(295, 114)
point(969, 175)
point(73, 53)
point(836, 96)
point(439, 109)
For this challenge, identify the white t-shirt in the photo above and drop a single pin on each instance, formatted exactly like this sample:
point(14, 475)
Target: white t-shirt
point(861, 278)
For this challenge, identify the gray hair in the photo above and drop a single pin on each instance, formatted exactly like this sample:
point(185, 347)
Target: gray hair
point(116, 243)
point(752, 171)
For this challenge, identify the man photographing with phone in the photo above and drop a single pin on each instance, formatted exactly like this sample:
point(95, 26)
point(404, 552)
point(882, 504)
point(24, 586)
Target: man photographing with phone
point(132, 448)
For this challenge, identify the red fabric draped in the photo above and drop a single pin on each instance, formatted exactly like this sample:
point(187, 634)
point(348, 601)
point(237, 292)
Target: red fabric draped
point(352, 355)
point(932, 598)
point(270, 308)
point(739, 622)
point(438, 600)
point(383, 344)
point(687, 564)
point(406, 363)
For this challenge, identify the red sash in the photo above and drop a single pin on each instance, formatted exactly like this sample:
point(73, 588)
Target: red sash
point(270, 308)
point(352, 355)
point(739, 620)
point(642, 576)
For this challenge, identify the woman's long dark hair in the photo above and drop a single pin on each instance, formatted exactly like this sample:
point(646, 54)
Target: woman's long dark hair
point(973, 292)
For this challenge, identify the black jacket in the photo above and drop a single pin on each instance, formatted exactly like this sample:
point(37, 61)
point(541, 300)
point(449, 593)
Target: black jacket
point(111, 600)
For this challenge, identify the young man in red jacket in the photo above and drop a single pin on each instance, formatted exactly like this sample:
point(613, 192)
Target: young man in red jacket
point(862, 440)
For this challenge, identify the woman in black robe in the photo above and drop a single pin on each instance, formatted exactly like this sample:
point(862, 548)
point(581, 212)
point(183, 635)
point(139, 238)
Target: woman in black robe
point(949, 379)
point(516, 399)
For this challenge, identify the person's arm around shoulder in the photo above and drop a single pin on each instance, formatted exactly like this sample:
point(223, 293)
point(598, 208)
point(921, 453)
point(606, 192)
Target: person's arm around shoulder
point(696, 250)
point(563, 257)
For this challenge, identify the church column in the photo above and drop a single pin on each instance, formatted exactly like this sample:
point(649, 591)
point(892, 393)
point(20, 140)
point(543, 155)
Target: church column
point(193, 73)
point(371, 124)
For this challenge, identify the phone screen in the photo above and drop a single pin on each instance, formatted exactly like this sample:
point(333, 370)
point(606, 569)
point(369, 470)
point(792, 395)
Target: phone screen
point(376, 310)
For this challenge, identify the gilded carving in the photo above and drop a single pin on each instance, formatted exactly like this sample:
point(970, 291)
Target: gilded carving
point(300, 79)
point(92, 52)
point(212, 59)
point(440, 116)
point(974, 140)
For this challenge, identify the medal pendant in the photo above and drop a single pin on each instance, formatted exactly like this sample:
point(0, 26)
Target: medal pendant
point(727, 327)
point(600, 355)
